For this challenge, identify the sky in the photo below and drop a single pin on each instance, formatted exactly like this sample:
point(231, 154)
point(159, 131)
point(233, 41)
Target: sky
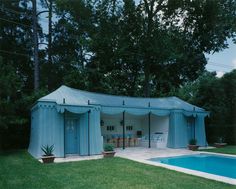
point(224, 61)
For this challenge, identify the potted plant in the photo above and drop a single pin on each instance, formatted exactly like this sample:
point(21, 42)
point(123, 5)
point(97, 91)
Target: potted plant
point(220, 143)
point(48, 156)
point(193, 145)
point(108, 151)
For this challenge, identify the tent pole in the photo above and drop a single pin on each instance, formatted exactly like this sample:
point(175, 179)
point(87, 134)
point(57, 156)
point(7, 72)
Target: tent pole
point(194, 135)
point(123, 129)
point(194, 120)
point(89, 132)
point(149, 130)
point(64, 123)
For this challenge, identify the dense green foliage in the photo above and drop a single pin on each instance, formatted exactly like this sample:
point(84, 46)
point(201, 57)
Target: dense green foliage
point(19, 170)
point(108, 147)
point(123, 47)
point(218, 95)
point(192, 141)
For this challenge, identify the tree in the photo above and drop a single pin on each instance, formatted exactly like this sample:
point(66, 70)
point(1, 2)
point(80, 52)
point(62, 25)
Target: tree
point(216, 95)
point(203, 27)
point(15, 39)
point(228, 83)
point(48, 6)
point(16, 67)
point(11, 85)
point(70, 43)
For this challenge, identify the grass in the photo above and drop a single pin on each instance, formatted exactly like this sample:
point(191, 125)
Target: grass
point(224, 150)
point(19, 170)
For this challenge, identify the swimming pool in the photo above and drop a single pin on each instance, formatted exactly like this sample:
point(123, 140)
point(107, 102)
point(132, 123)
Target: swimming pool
point(213, 164)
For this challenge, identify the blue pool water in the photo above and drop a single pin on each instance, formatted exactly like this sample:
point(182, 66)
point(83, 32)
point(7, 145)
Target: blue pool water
point(214, 164)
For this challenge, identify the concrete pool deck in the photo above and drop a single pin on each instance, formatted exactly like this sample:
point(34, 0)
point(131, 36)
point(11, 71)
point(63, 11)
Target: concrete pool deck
point(143, 155)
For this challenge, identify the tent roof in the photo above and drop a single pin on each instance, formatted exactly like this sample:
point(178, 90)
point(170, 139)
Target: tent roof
point(80, 98)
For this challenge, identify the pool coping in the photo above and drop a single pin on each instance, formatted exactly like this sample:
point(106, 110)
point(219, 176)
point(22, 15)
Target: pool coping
point(143, 155)
point(194, 172)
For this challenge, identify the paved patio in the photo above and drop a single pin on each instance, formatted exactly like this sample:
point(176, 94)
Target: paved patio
point(134, 153)
point(141, 153)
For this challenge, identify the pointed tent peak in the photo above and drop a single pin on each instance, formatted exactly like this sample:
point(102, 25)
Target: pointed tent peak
point(63, 86)
point(55, 95)
point(194, 107)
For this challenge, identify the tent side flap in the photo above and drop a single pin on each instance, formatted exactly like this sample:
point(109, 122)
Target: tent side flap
point(34, 132)
point(200, 130)
point(50, 130)
point(177, 137)
point(96, 145)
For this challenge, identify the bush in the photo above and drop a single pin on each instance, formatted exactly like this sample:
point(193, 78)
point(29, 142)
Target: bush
point(227, 132)
point(192, 142)
point(108, 148)
point(14, 137)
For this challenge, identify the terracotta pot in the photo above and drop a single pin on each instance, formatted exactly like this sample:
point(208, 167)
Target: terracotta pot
point(220, 145)
point(108, 154)
point(48, 159)
point(193, 147)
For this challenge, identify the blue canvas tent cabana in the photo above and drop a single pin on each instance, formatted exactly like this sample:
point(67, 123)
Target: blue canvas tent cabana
point(71, 120)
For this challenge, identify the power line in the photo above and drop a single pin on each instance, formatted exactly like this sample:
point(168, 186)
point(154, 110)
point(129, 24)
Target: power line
point(25, 14)
point(223, 67)
point(18, 23)
point(15, 12)
point(220, 67)
point(75, 37)
point(217, 70)
point(9, 52)
point(218, 64)
point(15, 22)
point(18, 54)
point(26, 55)
point(214, 70)
point(40, 20)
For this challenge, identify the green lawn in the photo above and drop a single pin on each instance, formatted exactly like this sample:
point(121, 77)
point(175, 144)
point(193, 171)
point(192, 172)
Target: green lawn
point(224, 150)
point(19, 170)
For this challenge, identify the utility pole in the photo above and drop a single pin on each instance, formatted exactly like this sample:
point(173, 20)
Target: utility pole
point(49, 4)
point(50, 31)
point(35, 37)
point(50, 43)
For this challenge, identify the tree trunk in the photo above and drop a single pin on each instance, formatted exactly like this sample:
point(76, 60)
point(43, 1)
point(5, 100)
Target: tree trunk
point(36, 60)
point(1, 141)
point(147, 59)
point(151, 10)
point(147, 79)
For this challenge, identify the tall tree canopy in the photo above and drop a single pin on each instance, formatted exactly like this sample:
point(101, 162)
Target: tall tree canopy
point(123, 47)
point(155, 45)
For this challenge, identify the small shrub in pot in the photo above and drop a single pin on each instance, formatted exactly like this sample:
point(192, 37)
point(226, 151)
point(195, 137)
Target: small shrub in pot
point(220, 143)
point(48, 156)
point(193, 144)
point(108, 150)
